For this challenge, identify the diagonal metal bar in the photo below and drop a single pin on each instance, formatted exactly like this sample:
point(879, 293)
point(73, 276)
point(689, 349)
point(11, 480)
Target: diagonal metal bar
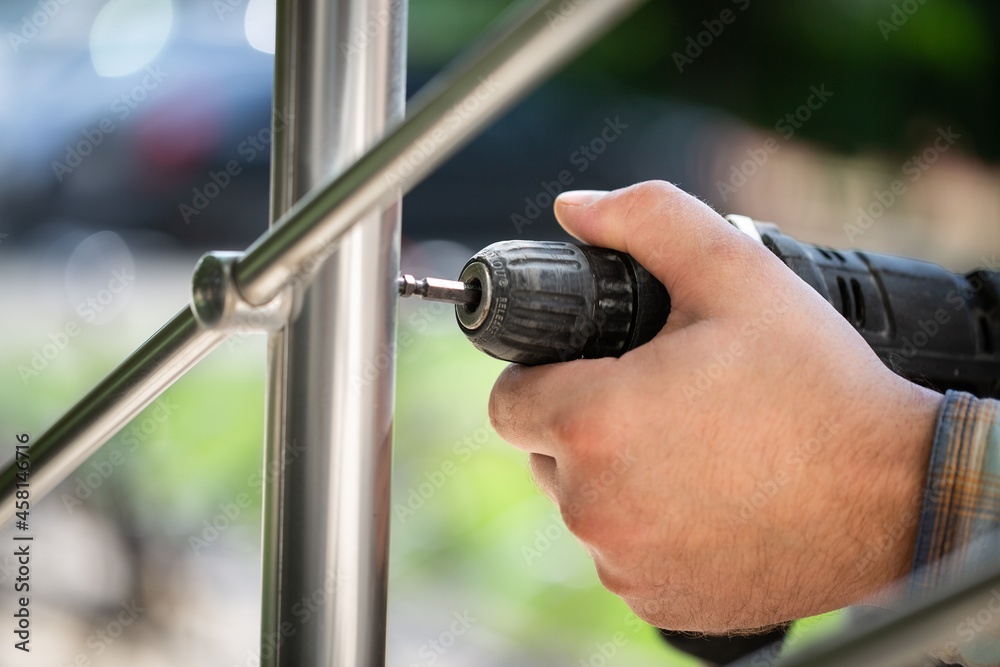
point(902, 639)
point(525, 47)
point(123, 394)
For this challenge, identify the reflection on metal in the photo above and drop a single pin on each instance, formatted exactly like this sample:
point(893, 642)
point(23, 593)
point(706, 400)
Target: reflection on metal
point(438, 289)
point(217, 303)
point(326, 514)
point(902, 639)
point(119, 397)
point(328, 428)
point(508, 62)
point(514, 57)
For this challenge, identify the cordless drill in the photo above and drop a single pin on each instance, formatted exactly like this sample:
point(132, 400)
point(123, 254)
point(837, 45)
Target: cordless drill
point(539, 302)
point(535, 302)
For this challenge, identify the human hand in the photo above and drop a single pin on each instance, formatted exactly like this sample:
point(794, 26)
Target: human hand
point(753, 463)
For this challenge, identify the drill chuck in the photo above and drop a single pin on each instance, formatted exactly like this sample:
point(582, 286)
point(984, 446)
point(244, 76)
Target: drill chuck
point(539, 302)
point(552, 301)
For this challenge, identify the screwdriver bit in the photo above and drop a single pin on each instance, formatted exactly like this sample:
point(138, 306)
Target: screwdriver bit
point(438, 289)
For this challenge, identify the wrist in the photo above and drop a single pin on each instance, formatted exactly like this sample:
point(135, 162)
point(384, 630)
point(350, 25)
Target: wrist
point(905, 440)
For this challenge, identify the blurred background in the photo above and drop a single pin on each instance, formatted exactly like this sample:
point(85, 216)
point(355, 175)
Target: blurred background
point(116, 119)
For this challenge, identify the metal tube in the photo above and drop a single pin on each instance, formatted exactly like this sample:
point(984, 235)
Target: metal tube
point(902, 639)
point(516, 55)
point(119, 397)
point(326, 518)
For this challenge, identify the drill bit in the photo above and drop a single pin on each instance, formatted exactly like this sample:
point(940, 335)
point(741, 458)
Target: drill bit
point(437, 289)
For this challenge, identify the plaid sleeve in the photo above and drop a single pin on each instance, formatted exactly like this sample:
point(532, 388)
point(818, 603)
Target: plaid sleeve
point(961, 508)
point(959, 529)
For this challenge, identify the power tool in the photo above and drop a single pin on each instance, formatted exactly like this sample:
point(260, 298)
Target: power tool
point(539, 302)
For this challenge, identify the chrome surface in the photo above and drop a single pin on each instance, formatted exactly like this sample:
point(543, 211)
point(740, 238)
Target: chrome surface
point(518, 53)
point(438, 289)
point(526, 51)
point(472, 317)
point(217, 303)
point(745, 225)
point(118, 398)
point(326, 515)
point(515, 56)
point(901, 638)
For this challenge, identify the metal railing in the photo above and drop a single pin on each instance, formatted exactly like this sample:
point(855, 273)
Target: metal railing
point(321, 281)
point(335, 183)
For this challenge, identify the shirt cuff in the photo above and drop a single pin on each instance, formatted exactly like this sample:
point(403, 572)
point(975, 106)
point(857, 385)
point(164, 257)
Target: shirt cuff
point(958, 531)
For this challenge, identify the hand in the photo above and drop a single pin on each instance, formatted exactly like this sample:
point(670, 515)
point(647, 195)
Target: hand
point(753, 463)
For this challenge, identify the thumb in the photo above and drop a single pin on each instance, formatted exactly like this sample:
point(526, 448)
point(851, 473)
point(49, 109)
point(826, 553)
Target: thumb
point(690, 248)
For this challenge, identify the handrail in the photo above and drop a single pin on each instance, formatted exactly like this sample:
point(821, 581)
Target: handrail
point(460, 103)
point(512, 58)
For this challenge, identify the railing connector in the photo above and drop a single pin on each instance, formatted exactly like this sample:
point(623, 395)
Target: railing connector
point(218, 304)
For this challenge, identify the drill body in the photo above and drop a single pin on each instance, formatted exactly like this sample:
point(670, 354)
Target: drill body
point(535, 302)
point(538, 302)
point(934, 327)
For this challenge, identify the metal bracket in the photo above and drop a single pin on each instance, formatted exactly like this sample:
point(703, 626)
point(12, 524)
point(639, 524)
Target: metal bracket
point(218, 304)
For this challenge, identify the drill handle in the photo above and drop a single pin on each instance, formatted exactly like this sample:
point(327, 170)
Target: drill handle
point(934, 327)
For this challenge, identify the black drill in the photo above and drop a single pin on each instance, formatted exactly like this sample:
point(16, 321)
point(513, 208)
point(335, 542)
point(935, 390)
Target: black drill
point(539, 302)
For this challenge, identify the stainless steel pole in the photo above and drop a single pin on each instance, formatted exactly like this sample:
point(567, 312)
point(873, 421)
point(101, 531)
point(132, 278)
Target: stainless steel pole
point(521, 50)
point(514, 57)
point(339, 83)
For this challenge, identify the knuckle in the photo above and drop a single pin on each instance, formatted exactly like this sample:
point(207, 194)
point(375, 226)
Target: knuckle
point(654, 189)
point(591, 520)
point(582, 425)
point(572, 429)
point(583, 521)
point(614, 581)
point(495, 411)
point(501, 406)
